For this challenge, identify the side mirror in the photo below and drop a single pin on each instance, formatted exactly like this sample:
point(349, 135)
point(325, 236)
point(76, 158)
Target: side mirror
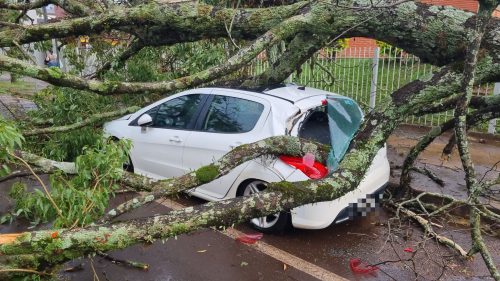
point(145, 120)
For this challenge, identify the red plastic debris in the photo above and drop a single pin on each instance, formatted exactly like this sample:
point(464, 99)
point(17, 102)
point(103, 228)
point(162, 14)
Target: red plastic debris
point(249, 238)
point(357, 267)
point(408, 250)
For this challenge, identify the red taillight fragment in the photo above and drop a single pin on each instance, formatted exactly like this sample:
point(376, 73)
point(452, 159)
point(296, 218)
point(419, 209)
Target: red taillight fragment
point(316, 171)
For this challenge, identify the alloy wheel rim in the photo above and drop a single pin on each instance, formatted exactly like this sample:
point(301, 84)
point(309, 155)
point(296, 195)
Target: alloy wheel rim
point(262, 222)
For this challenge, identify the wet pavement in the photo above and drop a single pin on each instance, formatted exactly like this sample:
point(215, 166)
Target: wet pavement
point(211, 255)
point(202, 255)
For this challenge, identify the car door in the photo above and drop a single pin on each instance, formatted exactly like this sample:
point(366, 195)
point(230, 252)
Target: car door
point(157, 148)
point(228, 120)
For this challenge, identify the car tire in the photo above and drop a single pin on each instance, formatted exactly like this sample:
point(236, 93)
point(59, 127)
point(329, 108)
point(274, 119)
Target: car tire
point(276, 223)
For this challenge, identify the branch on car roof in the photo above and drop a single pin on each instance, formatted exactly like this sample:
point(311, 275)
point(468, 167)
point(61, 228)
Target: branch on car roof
point(72, 243)
point(56, 77)
point(96, 118)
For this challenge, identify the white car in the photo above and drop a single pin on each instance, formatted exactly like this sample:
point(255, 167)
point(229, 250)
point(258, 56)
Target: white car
point(182, 132)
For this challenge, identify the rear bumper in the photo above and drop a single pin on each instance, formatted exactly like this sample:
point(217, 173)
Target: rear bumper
point(357, 202)
point(362, 208)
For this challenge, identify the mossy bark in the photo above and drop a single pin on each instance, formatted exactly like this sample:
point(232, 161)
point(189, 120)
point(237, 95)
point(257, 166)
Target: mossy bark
point(474, 188)
point(161, 23)
point(70, 6)
point(434, 33)
point(55, 76)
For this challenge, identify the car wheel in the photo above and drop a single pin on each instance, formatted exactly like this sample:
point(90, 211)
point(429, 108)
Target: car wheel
point(275, 223)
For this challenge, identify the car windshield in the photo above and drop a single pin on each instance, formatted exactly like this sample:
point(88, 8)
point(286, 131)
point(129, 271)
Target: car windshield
point(344, 119)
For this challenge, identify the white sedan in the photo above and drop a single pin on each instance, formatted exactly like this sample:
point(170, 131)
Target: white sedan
point(193, 128)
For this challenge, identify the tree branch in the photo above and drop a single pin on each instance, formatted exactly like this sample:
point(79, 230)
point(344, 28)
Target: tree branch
point(300, 49)
point(173, 23)
point(273, 146)
point(70, 6)
point(486, 8)
point(133, 49)
point(474, 118)
point(426, 225)
point(168, 23)
point(91, 120)
point(56, 77)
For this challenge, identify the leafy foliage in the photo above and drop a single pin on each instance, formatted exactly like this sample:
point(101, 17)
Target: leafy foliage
point(10, 138)
point(82, 198)
point(63, 106)
point(166, 63)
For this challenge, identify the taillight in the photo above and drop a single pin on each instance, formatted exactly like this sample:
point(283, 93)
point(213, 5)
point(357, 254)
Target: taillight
point(316, 171)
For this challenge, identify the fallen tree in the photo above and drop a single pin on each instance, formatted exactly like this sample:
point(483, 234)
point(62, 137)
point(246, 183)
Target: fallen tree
point(435, 34)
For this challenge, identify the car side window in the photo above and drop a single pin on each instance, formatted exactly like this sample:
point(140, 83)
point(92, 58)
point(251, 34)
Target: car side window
point(152, 112)
point(232, 115)
point(177, 113)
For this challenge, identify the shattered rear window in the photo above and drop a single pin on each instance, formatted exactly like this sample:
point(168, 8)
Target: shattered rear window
point(344, 119)
point(315, 126)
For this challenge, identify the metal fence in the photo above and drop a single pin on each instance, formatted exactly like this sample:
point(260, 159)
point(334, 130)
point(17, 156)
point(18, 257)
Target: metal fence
point(371, 74)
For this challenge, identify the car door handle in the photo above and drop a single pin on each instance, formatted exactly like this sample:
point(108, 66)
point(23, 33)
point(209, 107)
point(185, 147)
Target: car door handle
point(175, 139)
point(232, 146)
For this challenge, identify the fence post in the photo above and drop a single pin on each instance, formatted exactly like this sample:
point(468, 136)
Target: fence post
point(373, 87)
point(493, 123)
